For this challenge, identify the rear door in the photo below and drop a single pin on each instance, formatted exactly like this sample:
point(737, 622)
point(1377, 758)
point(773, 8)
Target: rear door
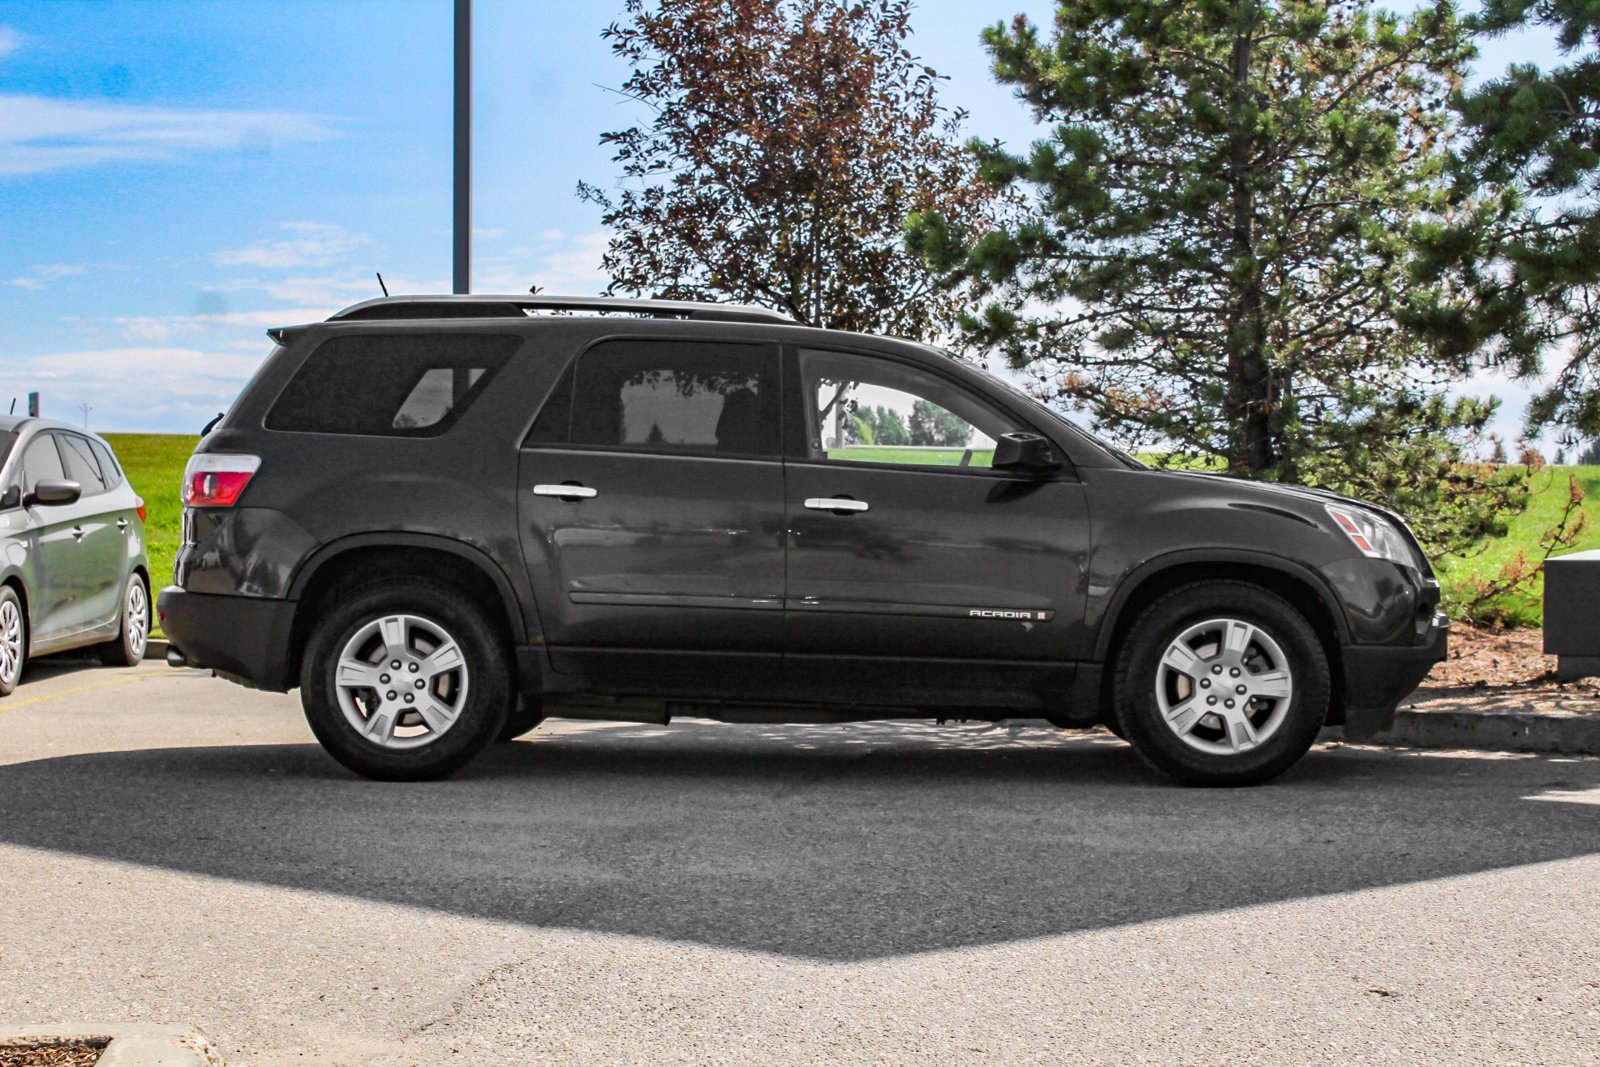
point(910, 560)
point(651, 512)
point(103, 531)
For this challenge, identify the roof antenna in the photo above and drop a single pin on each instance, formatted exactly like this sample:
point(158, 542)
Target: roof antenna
point(535, 290)
point(13, 410)
point(385, 288)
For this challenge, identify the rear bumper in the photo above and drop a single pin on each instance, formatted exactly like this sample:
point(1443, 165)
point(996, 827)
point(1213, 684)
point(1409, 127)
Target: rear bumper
point(243, 636)
point(1378, 677)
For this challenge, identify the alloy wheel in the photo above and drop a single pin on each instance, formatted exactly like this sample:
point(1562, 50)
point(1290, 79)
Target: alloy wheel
point(136, 618)
point(1224, 686)
point(401, 681)
point(10, 641)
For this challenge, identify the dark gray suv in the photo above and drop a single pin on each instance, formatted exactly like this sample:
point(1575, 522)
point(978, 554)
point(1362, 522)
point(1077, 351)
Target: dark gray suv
point(73, 572)
point(447, 518)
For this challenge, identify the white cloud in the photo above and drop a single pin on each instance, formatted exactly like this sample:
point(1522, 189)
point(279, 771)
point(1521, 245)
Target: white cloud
point(312, 244)
point(570, 269)
point(160, 329)
point(10, 41)
point(551, 235)
point(486, 235)
point(40, 133)
point(45, 273)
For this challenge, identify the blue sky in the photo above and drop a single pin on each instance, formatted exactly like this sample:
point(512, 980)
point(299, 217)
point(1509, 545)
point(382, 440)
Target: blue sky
point(177, 176)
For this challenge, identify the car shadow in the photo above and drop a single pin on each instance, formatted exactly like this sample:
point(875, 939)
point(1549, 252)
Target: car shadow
point(814, 842)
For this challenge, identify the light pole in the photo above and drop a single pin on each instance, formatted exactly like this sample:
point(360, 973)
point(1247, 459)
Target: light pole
point(463, 148)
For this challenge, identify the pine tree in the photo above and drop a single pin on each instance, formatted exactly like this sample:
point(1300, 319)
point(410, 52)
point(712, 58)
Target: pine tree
point(1216, 250)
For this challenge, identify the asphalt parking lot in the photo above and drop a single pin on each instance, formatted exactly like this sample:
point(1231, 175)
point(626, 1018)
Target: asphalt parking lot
point(176, 849)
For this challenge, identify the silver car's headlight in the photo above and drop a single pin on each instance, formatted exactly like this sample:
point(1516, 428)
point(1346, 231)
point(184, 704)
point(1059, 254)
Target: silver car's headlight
point(1372, 535)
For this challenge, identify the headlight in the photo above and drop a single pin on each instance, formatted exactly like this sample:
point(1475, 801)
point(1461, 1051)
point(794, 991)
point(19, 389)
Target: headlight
point(1374, 536)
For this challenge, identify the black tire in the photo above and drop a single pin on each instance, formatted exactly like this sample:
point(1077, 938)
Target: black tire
point(523, 719)
point(1209, 756)
point(16, 637)
point(483, 676)
point(127, 648)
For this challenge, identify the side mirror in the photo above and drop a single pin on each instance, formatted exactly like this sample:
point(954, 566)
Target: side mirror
point(11, 499)
point(53, 491)
point(1024, 452)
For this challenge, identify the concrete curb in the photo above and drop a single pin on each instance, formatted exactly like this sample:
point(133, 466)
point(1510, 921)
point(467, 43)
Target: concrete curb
point(156, 648)
point(1506, 731)
point(131, 1044)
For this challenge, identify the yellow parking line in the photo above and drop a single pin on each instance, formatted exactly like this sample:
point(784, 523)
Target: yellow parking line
point(13, 705)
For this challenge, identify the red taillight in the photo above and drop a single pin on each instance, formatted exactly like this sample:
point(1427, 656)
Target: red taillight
point(138, 505)
point(215, 480)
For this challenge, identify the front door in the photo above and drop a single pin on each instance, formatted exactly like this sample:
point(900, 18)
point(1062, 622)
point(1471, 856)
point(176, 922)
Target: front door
point(911, 562)
point(58, 587)
point(651, 504)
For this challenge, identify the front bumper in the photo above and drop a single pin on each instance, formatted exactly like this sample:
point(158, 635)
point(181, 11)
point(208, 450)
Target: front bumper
point(1378, 677)
point(245, 637)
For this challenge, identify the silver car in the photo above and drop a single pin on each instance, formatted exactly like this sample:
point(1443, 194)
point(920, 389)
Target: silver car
point(73, 570)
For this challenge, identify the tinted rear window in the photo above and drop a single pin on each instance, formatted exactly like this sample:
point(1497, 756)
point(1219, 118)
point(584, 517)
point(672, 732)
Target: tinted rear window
point(390, 384)
point(666, 396)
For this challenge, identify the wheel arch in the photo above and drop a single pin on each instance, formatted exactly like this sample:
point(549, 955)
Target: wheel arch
point(1301, 587)
point(14, 580)
point(353, 561)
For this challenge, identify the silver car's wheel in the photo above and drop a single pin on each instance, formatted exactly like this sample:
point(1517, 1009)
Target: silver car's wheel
point(13, 638)
point(401, 681)
point(127, 648)
point(136, 618)
point(1224, 686)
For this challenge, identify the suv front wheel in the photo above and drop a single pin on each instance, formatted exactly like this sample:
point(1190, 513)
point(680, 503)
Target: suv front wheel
point(405, 681)
point(1221, 683)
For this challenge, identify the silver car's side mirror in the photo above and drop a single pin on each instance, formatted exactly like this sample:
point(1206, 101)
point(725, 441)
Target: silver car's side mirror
point(53, 491)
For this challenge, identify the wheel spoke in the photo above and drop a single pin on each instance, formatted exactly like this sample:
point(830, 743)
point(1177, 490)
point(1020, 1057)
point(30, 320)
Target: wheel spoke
point(380, 726)
point(445, 658)
point(357, 674)
point(393, 630)
point(436, 713)
point(1273, 684)
point(1182, 717)
point(1237, 637)
point(1181, 659)
point(1241, 732)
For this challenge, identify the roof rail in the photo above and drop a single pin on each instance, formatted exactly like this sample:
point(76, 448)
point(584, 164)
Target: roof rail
point(477, 307)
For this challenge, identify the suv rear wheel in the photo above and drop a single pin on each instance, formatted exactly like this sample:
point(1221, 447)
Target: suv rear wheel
point(1221, 683)
point(405, 681)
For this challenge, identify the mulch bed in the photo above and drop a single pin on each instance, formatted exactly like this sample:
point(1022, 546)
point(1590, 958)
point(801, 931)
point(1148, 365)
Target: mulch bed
point(1503, 670)
point(52, 1054)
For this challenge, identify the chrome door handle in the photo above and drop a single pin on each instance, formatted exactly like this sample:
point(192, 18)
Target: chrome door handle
point(570, 492)
point(835, 503)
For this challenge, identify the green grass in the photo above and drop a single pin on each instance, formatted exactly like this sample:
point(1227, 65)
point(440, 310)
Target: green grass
point(1523, 533)
point(154, 465)
point(931, 457)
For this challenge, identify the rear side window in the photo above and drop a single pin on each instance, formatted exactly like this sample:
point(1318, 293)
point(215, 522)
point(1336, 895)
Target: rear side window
point(108, 465)
point(667, 396)
point(390, 384)
point(81, 465)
